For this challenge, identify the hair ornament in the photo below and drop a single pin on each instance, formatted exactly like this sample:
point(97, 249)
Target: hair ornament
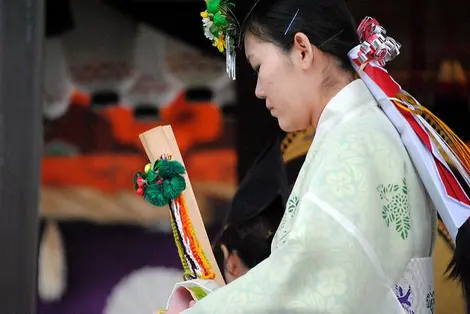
point(220, 27)
point(441, 158)
point(375, 44)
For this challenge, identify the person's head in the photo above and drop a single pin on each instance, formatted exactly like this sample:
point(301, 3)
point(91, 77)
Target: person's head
point(244, 245)
point(299, 48)
point(254, 215)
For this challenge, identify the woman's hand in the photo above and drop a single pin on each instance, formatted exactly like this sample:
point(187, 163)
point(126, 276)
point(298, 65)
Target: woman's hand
point(182, 300)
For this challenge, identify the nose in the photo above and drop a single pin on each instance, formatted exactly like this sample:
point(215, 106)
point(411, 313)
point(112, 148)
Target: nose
point(259, 92)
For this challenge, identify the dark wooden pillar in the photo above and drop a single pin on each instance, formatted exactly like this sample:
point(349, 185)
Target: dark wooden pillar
point(255, 126)
point(21, 36)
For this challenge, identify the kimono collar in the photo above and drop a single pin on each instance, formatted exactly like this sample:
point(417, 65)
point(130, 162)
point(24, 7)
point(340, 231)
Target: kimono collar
point(351, 98)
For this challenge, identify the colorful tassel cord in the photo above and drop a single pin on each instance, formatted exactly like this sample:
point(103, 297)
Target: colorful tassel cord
point(162, 184)
point(451, 145)
point(195, 252)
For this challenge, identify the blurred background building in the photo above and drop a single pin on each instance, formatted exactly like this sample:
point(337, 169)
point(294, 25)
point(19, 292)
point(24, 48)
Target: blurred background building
point(116, 68)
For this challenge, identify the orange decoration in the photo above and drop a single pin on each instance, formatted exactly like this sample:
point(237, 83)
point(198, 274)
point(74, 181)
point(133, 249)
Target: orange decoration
point(196, 250)
point(110, 151)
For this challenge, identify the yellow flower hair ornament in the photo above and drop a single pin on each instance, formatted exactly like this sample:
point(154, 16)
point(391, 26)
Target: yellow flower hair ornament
point(219, 25)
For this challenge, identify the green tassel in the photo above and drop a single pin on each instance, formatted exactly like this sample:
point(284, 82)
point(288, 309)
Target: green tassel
point(171, 182)
point(170, 168)
point(151, 176)
point(154, 195)
point(172, 188)
point(157, 164)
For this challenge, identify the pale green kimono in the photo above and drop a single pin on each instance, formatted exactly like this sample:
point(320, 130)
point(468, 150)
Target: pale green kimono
point(357, 215)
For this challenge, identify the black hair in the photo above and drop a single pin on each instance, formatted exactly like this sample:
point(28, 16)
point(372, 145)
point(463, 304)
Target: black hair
point(328, 24)
point(251, 239)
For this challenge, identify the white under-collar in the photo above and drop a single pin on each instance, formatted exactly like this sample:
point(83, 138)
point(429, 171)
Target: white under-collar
point(351, 98)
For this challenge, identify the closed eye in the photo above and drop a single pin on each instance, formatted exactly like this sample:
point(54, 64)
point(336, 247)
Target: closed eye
point(256, 70)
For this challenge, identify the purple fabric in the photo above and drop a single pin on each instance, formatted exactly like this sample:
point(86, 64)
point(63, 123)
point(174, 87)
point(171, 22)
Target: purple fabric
point(98, 256)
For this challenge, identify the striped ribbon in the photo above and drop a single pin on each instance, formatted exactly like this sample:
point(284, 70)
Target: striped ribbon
point(424, 144)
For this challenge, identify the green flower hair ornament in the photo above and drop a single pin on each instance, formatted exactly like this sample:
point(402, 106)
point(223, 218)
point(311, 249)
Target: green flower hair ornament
point(220, 27)
point(161, 183)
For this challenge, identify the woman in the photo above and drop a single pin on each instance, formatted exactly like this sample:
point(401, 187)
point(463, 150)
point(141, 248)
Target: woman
point(358, 232)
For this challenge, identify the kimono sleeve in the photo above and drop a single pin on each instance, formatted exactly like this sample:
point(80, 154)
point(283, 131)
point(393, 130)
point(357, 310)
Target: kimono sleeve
point(347, 242)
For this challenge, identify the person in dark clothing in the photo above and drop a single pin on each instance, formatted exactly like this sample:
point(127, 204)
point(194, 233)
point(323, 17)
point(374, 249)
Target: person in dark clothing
point(256, 211)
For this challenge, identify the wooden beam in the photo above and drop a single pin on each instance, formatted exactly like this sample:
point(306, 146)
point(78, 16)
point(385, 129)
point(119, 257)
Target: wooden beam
point(21, 37)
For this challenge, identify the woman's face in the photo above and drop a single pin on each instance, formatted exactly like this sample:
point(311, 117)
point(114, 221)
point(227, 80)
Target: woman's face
point(290, 83)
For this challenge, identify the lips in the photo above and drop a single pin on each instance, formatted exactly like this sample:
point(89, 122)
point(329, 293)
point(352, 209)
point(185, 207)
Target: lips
point(268, 105)
point(271, 109)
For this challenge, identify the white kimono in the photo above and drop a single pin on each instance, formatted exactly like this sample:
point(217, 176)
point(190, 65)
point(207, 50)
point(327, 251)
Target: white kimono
point(357, 234)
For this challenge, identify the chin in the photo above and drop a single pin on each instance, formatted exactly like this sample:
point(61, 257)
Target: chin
point(287, 127)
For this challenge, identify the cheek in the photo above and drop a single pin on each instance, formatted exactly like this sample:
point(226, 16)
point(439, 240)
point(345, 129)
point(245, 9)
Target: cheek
point(293, 113)
point(264, 81)
point(272, 84)
point(270, 76)
point(228, 277)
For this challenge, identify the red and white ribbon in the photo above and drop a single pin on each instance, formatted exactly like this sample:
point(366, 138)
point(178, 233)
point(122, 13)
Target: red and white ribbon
point(376, 45)
point(419, 138)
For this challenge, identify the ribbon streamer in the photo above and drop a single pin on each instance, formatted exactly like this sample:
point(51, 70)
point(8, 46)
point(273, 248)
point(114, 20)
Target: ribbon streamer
point(437, 162)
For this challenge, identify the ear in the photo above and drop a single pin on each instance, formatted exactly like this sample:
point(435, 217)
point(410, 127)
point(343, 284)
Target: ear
point(225, 251)
point(233, 263)
point(229, 260)
point(303, 50)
